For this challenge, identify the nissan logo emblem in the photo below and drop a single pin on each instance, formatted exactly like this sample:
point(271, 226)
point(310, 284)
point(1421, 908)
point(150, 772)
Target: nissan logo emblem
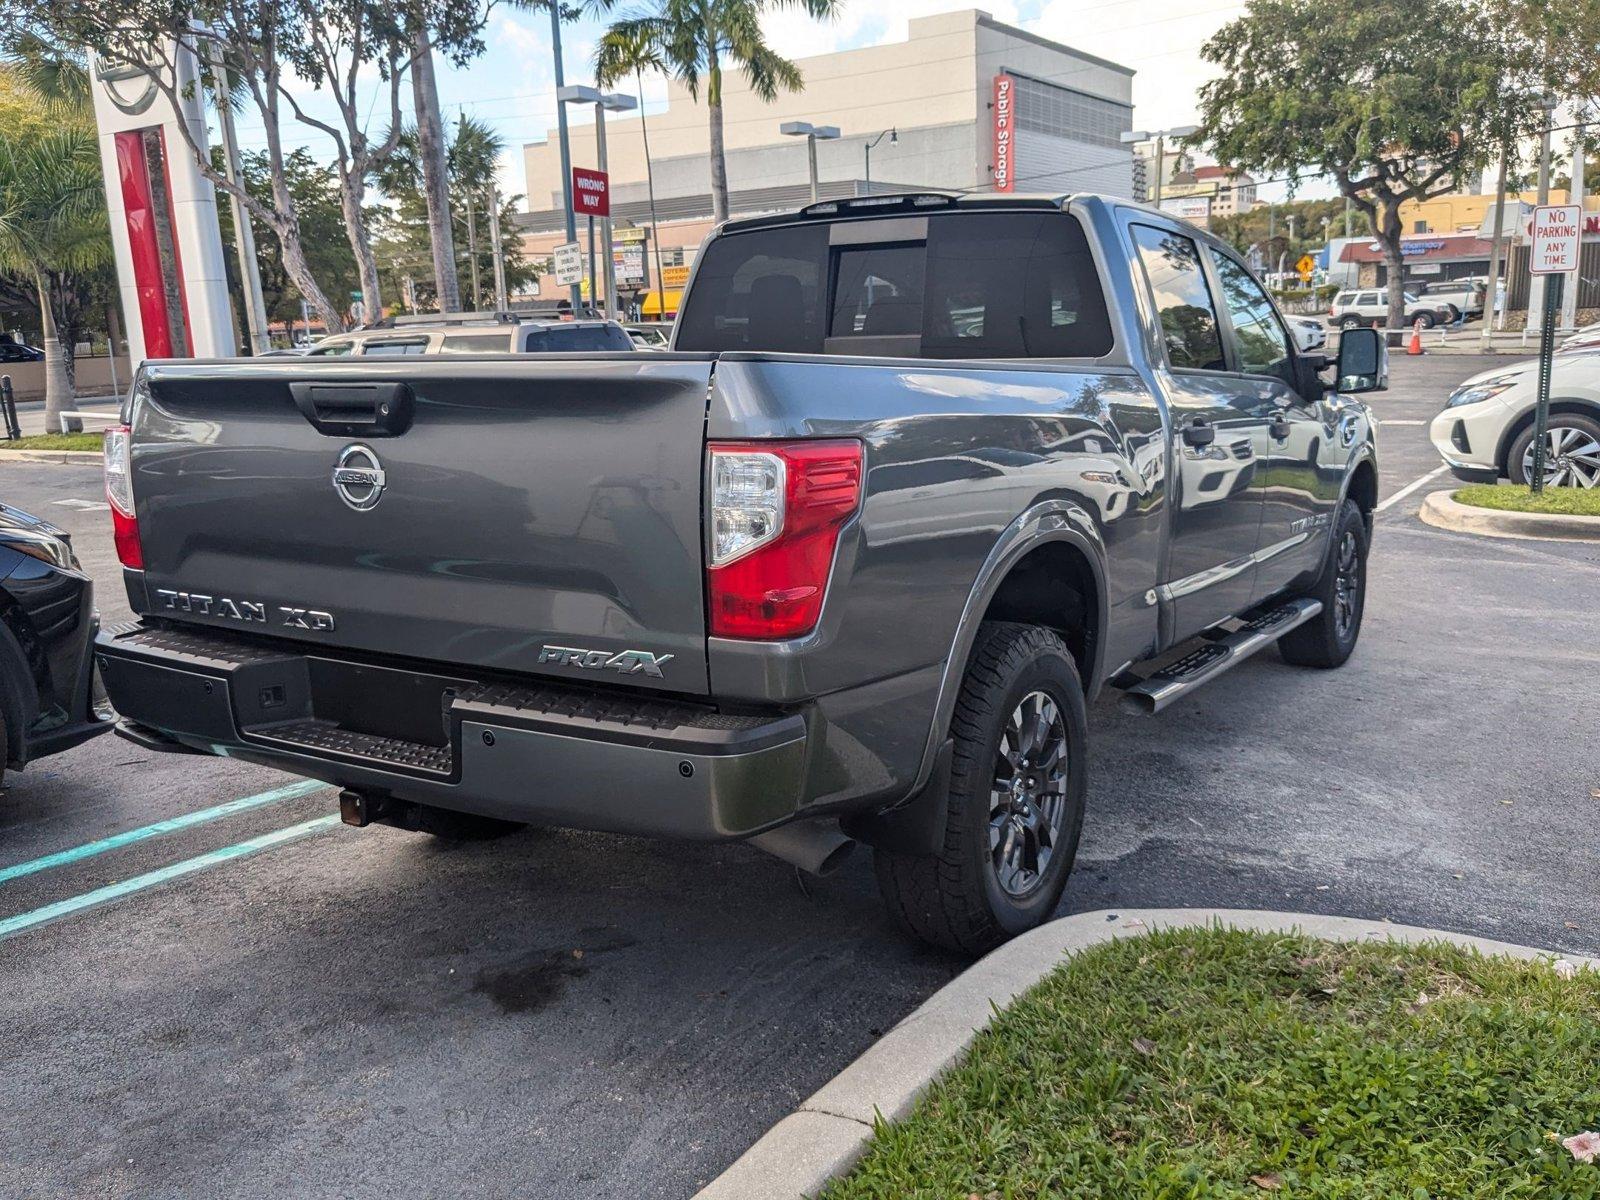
point(358, 477)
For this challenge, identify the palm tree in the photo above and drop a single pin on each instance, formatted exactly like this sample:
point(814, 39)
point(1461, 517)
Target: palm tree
point(52, 223)
point(430, 153)
point(695, 39)
point(616, 57)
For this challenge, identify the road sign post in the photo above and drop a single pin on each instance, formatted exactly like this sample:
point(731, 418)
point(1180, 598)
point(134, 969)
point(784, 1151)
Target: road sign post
point(1557, 232)
point(1305, 267)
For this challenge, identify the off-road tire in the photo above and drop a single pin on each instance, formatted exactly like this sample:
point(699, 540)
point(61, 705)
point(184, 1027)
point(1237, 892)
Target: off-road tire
point(1326, 640)
point(953, 899)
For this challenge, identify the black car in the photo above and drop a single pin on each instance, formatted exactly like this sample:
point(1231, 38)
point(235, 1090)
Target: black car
point(49, 697)
point(15, 352)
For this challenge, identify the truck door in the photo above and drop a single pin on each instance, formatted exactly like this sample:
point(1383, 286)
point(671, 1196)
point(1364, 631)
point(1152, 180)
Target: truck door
point(1219, 427)
point(1302, 467)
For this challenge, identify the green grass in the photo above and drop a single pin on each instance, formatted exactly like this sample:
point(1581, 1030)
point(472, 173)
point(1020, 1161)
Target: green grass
point(57, 441)
point(1567, 501)
point(1201, 1064)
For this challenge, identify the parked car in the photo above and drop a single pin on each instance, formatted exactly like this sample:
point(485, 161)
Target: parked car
point(474, 333)
point(650, 335)
point(49, 699)
point(1309, 333)
point(1464, 296)
point(1485, 432)
point(1586, 339)
point(1371, 305)
point(920, 477)
point(20, 352)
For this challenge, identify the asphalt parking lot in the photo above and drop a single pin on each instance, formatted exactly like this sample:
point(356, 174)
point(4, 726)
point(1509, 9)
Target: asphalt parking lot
point(359, 1012)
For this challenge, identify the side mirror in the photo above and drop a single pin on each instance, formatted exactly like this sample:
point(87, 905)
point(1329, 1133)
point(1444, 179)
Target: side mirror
point(1363, 364)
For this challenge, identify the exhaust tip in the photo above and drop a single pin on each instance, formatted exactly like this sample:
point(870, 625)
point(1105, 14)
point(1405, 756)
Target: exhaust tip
point(816, 846)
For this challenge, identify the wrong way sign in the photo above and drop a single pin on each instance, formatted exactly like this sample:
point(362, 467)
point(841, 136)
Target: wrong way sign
point(1557, 232)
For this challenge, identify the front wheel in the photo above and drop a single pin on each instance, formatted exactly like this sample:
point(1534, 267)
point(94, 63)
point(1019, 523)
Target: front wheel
point(1350, 322)
point(1329, 637)
point(1571, 452)
point(1016, 801)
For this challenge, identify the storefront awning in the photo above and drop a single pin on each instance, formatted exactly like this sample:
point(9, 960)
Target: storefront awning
point(652, 305)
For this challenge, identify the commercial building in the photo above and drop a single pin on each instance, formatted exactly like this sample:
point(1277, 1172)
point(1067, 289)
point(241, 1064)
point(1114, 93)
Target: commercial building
point(1462, 212)
point(929, 103)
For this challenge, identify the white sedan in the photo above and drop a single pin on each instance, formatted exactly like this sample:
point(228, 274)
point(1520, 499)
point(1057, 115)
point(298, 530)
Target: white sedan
point(1485, 432)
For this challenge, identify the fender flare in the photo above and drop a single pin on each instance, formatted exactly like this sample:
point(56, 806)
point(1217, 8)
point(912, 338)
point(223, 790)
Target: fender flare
point(1042, 524)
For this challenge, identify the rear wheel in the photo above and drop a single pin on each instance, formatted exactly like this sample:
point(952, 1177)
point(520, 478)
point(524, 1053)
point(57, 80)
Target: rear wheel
point(1571, 452)
point(1016, 802)
point(1425, 319)
point(1328, 638)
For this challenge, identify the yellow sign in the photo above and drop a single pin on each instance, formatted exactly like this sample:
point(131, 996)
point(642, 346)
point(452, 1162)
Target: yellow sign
point(674, 277)
point(1305, 266)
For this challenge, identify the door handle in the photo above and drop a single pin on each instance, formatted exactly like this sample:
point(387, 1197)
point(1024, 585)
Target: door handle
point(1199, 433)
point(1278, 425)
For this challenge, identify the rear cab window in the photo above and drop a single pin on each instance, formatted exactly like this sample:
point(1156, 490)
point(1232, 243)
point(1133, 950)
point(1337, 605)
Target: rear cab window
point(956, 285)
point(568, 338)
point(395, 347)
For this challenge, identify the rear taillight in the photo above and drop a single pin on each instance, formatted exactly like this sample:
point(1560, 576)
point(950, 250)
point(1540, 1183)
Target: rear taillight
point(776, 509)
point(119, 491)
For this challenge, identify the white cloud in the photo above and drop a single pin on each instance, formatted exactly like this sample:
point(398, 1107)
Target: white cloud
point(795, 35)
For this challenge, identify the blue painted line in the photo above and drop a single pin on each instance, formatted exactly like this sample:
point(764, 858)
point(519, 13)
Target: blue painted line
point(115, 891)
point(172, 825)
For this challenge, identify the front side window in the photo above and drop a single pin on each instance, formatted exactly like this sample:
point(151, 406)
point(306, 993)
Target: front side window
point(1187, 313)
point(1259, 341)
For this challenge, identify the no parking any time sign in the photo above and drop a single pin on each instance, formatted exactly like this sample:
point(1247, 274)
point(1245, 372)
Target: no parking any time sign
point(1557, 229)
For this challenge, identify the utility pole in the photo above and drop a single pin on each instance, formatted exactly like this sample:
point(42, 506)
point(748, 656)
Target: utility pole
point(472, 251)
point(894, 140)
point(1492, 317)
point(500, 304)
point(1569, 293)
point(566, 145)
point(244, 238)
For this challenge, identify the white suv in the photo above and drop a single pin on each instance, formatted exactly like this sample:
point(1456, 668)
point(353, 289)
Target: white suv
point(1486, 429)
point(1355, 308)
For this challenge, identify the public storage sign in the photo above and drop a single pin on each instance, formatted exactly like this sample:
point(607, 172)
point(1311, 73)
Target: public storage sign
point(1004, 109)
point(1557, 230)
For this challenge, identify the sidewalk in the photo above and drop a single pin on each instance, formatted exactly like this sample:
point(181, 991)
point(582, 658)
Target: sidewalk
point(30, 414)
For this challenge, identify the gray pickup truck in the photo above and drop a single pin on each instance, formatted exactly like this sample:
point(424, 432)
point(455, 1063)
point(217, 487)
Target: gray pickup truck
point(920, 476)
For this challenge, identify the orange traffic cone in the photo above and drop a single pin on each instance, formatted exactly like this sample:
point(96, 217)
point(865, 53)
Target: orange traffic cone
point(1414, 346)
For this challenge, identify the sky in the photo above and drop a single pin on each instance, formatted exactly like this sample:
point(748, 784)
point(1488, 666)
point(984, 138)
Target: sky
point(512, 85)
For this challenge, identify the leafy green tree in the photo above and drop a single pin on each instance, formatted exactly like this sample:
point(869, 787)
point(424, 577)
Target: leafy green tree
point(405, 244)
point(55, 242)
point(1396, 100)
point(696, 40)
point(314, 191)
point(52, 224)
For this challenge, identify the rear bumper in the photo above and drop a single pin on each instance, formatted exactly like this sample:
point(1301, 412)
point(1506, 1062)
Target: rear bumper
point(556, 755)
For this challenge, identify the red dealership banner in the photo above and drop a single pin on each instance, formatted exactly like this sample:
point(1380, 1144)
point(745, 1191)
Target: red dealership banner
point(591, 193)
point(1003, 110)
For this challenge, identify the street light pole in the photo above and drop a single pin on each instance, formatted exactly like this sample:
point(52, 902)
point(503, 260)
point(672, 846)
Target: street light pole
point(566, 146)
point(1160, 136)
point(614, 102)
point(812, 134)
point(244, 238)
point(894, 139)
point(1569, 293)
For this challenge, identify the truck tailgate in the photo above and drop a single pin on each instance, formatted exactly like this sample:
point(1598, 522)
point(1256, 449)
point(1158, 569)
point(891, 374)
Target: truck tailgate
point(527, 507)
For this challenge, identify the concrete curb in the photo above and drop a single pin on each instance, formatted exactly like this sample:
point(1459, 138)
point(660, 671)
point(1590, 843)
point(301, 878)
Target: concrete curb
point(825, 1136)
point(1442, 510)
point(51, 456)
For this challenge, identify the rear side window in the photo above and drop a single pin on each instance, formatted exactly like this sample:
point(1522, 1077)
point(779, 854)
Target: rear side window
point(1012, 285)
point(564, 339)
point(332, 350)
point(475, 343)
point(392, 348)
point(1183, 300)
point(981, 285)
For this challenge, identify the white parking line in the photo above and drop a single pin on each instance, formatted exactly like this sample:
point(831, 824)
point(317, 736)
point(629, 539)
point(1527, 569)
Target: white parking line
point(1409, 488)
point(1392, 421)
